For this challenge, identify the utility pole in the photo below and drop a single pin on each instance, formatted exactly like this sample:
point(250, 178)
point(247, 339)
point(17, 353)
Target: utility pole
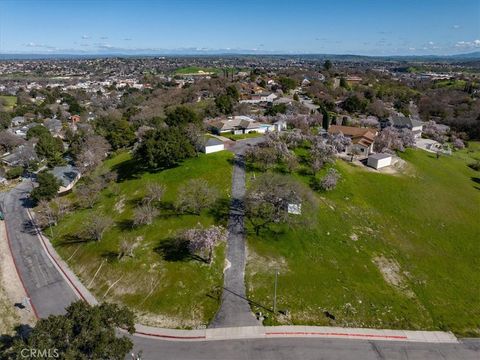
point(275, 293)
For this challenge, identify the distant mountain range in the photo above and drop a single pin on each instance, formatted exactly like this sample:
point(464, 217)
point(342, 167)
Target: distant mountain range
point(473, 56)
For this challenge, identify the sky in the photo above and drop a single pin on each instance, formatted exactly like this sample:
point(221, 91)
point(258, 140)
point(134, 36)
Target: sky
point(364, 27)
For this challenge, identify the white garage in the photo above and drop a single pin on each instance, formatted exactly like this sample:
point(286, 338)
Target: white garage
point(213, 145)
point(378, 161)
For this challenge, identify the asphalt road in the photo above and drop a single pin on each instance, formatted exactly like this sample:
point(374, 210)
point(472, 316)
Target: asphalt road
point(303, 349)
point(47, 289)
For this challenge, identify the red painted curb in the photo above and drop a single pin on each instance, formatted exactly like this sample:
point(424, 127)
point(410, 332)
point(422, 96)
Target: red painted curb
point(339, 334)
point(172, 336)
point(18, 272)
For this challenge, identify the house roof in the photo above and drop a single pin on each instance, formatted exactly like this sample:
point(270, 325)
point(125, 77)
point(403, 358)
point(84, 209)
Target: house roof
point(66, 174)
point(380, 156)
point(232, 123)
point(352, 131)
point(404, 121)
point(213, 141)
point(360, 136)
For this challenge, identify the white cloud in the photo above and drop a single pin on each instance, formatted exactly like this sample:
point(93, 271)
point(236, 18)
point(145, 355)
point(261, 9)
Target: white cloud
point(39, 46)
point(85, 37)
point(456, 27)
point(468, 44)
point(431, 43)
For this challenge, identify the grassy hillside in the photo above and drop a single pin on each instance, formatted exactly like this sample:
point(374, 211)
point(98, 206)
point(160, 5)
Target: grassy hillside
point(9, 102)
point(387, 251)
point(174, 290)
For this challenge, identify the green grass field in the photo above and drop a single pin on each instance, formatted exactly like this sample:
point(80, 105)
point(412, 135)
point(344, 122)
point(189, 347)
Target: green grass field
point(164, 289)
point(387, 251)
point(191, 70)
point(242, 136)
point(10, 101)
point(451, 84)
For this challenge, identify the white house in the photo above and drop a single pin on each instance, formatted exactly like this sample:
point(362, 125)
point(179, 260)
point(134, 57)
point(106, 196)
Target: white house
point(379, 160)
point(404, 122)
point(260, 98)
point(213, 145)
point(240, 125)
point(280, 125)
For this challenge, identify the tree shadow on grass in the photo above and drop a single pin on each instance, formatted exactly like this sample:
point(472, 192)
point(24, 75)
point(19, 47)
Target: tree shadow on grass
point(125, 224)
point(132, 169)
point(220, 210)
point(70, 239)
point(110, 256)
point(476, 179)
point(176, 249)
point(129, 169)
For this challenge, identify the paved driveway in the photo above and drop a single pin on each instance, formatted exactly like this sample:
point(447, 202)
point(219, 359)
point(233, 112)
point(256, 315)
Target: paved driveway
point(427, 145)
point(234, 308)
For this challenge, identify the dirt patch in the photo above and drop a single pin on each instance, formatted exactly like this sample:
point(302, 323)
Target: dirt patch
point(392, 274)
point(172, 322)
point(11, 290)
point(120, 204)
point(261, 264)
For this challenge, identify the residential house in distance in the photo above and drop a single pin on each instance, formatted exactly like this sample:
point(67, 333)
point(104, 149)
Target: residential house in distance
point(21, 131)
point(353, 79)
point(68, 177)
point(17, 121)
point(21, 154)
point(54, 126)
point(362, 138)
point(404, 122)
point(260, 98)
point(239, 125)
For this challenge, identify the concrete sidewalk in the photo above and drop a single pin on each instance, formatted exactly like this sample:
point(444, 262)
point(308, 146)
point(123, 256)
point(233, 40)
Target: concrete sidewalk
point(267, 332)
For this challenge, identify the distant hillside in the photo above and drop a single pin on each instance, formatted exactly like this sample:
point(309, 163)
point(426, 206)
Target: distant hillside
point(239, 53)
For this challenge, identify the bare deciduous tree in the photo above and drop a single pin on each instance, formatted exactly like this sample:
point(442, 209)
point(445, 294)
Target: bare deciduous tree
point(154, 193)
point(330, 180)
point(8, 141)
point(97, 225)
point(89, 193)
point(321, 153)
point(203, 240)
point(195, 195)
point(144, 215)
point(93, 150)
point(268, 198)
point(46, 214)
point(126, 248)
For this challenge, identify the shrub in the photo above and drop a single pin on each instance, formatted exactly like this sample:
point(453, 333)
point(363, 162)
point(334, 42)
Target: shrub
point(14, 172)
point(330, 180)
